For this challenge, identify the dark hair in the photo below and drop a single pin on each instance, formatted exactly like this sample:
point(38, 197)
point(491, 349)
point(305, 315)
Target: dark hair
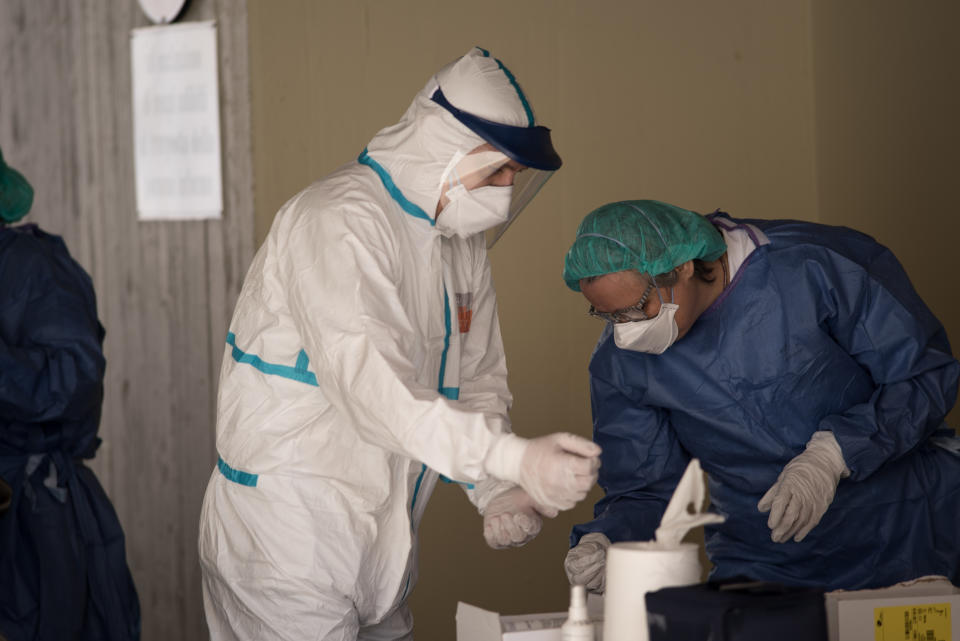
point(700, 270)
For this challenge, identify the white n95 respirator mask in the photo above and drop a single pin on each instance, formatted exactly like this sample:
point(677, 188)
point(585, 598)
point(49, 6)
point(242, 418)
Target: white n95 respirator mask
point(652, 336)
point(471, 211)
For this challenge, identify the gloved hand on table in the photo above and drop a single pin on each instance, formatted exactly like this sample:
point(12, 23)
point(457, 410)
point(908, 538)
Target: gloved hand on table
point(512, 518)
point(556, 470)
point(804, 489)
point(586, 562)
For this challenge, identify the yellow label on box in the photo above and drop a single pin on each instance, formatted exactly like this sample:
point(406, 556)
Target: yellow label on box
point(924, 622)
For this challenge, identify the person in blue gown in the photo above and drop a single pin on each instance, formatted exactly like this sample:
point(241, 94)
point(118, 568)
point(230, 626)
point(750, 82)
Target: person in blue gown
point(63, 569)
point(799, 365)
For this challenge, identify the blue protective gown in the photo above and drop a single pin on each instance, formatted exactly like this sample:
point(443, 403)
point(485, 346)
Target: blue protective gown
point(819, 330)
point(63, 570)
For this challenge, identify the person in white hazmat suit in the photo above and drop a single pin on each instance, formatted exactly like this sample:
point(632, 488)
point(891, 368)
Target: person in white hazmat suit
point(364, 360)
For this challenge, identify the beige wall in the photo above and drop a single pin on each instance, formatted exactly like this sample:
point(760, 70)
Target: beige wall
point(698, 103)
point(888, 139)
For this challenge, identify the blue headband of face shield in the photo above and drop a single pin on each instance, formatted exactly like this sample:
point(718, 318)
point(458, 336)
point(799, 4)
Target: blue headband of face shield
point(529, 146)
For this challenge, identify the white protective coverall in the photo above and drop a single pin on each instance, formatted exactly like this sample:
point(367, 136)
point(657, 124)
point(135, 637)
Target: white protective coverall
point(364, 358)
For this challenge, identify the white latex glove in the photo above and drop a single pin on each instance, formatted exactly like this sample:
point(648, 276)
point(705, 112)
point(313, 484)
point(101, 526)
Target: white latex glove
point(512, 518)
point(804, 489)
point(556, 470)
point(586, 561)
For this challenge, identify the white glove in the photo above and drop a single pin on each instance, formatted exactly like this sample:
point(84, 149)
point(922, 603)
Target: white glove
point(586, 560)
point(512, 518)
point(556, 470)
point(804, 489)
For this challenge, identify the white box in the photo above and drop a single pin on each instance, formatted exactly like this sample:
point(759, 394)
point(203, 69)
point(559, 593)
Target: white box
point(927, 608)
point(476, 624)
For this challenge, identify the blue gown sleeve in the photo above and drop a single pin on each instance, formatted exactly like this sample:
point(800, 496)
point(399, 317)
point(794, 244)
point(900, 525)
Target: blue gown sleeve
point(51, 363)
point(641, 464)
point(873, 312)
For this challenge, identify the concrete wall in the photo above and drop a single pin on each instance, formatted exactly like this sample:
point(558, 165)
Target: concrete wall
point(165, 290)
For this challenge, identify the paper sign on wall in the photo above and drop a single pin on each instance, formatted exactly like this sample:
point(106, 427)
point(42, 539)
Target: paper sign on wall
point(176, 122)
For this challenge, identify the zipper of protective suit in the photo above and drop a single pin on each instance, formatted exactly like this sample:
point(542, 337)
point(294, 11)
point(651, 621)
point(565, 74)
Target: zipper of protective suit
point(452, 393)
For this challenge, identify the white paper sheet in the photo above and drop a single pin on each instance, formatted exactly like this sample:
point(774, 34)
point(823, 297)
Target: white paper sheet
point(176, 121)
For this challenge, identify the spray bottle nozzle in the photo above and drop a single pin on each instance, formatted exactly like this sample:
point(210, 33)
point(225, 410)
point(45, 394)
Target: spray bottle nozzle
point(578, 626)
point(578, 604)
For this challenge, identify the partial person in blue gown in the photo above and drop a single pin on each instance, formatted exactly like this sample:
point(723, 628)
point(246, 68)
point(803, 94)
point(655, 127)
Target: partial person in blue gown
point(799, 365)
point(63, 568)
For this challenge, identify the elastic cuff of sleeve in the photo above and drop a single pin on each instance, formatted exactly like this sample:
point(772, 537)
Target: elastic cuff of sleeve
point(486, 490)
point(826, 442)
point(504, 458)
point(599, 537)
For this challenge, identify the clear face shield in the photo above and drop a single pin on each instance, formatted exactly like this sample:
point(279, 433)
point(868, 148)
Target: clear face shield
point(485, 166)
point(526, 184)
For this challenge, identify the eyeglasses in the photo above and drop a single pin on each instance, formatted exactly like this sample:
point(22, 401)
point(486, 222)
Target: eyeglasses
point(627, 314)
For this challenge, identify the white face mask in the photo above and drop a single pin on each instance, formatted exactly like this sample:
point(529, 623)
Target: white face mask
point(652, 336)
point(475, 210)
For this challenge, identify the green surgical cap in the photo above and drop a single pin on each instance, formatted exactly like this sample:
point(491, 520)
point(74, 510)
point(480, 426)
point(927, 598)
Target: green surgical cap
point(16, 194)
point(646, 235)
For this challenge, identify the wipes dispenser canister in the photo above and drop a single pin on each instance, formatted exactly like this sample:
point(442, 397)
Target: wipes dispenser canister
point(634, 568)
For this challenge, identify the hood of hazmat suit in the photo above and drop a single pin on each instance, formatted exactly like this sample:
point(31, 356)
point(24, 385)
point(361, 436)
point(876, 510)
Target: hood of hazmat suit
point(364, 359)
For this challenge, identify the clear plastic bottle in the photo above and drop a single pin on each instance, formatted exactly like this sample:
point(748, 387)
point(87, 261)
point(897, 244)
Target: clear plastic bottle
point(578, 626)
